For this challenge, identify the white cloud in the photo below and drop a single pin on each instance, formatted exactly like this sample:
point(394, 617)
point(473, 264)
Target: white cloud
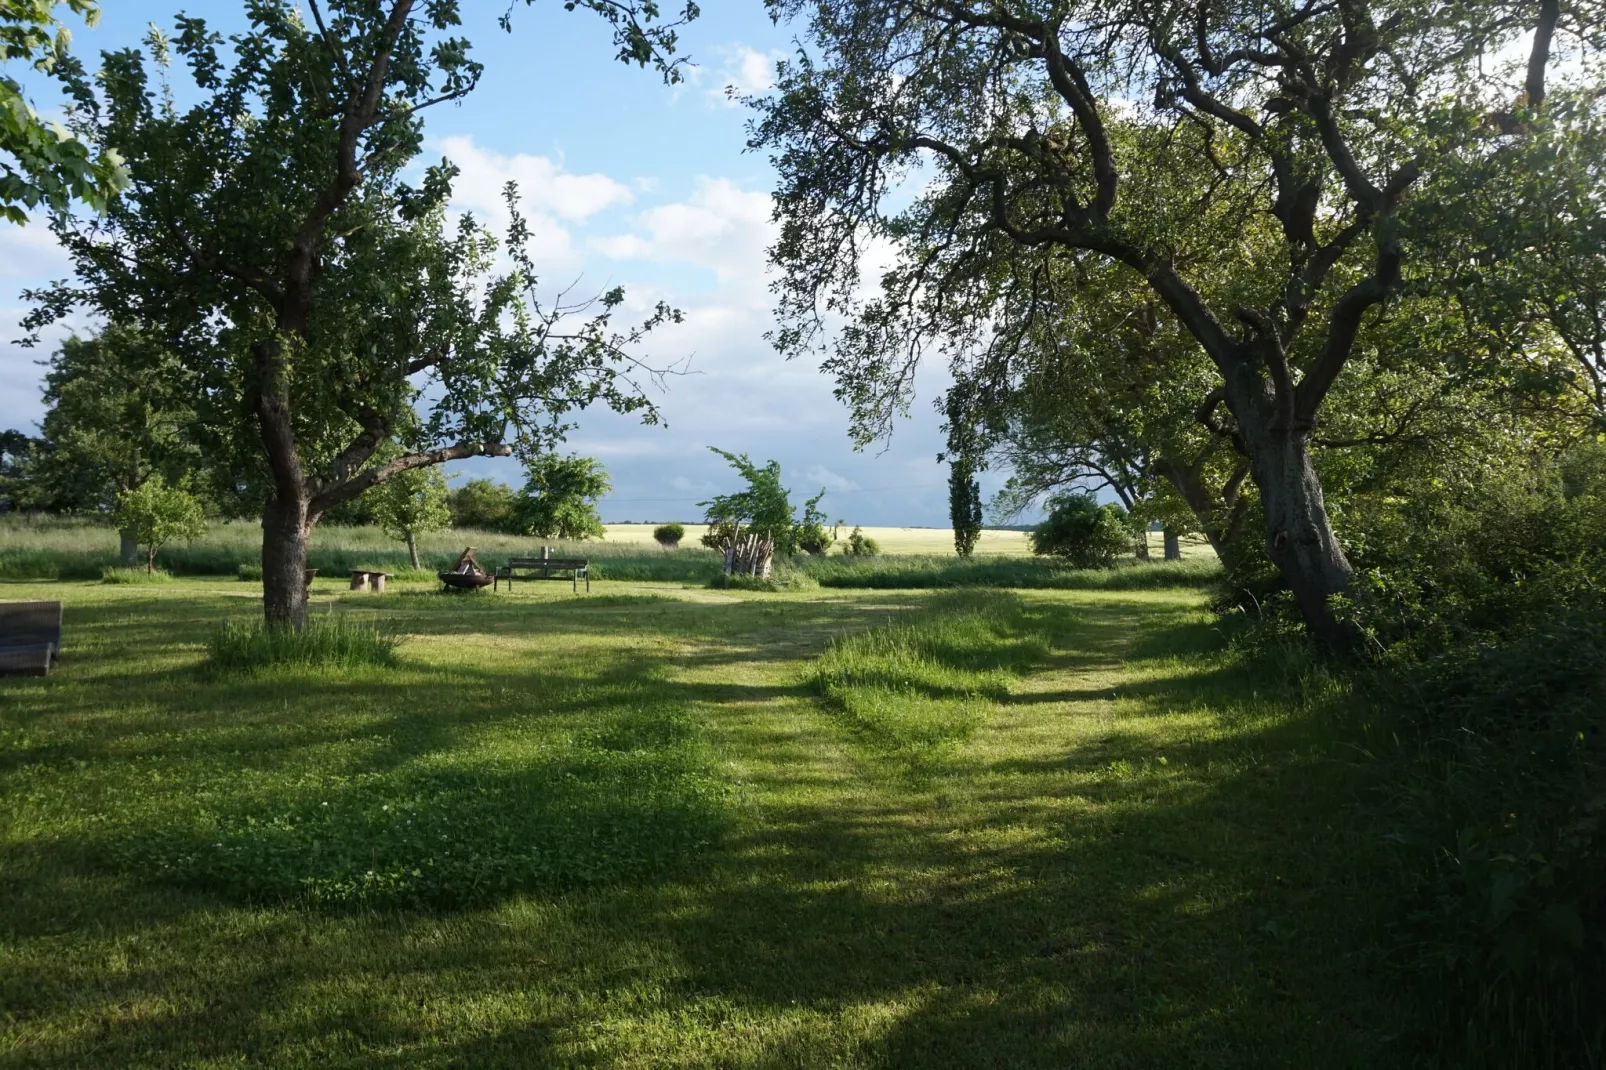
point(721, 227)
point(821, 476)
point(544, 186)
point(743, 70)
point(31, 252)
point(551, 199)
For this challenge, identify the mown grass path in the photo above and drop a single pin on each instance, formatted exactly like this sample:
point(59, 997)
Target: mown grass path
point(1138, 859)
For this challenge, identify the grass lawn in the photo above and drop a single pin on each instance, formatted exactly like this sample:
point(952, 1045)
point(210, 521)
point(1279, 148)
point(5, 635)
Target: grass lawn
point(663, 826)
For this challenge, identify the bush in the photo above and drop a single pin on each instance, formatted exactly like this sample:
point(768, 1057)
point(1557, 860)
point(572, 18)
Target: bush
point(669, 535)
point(1082, 531)
point(249, 573)
point(333, 641)
point(1483, 603)
point(1500, 803)
point(861, 545)
point(115, 575)
point(485, 505)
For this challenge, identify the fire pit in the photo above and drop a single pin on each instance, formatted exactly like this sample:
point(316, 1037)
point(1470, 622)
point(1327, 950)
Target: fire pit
point(466, 575)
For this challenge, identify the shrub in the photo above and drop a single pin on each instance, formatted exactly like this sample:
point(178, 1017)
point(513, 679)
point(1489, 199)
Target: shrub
point(333, 641)
point(861, 545)
point(115, 575)
point(1082, 531)
point(1483, 601)
point(669, 535)
point(249, 573)
point(485, 505)
point(159, 514)
point(560, 497)
point(1500, 803)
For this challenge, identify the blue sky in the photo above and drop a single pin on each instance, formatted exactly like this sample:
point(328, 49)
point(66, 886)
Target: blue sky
point(629, 182)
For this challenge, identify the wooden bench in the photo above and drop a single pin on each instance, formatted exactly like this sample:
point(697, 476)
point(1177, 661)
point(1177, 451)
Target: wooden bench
point(30, 637)
point(364, 579)
point(543, 568)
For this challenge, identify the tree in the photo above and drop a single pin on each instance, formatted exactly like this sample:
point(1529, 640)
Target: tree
point(1516, 231)
point(754, 524)
point(158, 514)
point(811, 534)
point(560, 497)
point(860, 544)
point(118, 411)
point(411, 503)
point(669, 535)
point(47, 167)
point(1082, 531)
point(485, 504)
point(322, 301)
point(1074, 132)
point(964, 493)
point(18, 452)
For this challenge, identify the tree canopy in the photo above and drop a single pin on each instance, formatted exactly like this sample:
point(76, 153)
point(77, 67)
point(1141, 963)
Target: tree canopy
point(1246, 165)
point(323, 303)
point(47, 167)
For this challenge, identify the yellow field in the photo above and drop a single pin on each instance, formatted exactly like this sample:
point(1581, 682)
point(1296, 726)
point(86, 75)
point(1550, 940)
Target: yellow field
point(914, 540)
point(891, 540)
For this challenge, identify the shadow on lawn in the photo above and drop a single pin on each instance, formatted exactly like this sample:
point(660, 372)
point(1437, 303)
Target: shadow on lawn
point(1170, 915)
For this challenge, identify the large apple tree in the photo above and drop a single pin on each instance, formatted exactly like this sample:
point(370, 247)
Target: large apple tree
point(333, 315)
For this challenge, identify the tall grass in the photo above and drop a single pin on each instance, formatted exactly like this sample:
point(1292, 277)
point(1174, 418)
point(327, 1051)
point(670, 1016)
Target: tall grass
point(1021, 572)
point(114, 574)
point(334, 641)
point(916, 688)
point(75, 549)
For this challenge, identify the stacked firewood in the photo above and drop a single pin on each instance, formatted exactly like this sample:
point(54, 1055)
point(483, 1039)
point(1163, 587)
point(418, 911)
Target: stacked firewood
point(749, 555)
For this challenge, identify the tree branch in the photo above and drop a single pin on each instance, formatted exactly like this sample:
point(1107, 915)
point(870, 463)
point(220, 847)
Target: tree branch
point(1539, 57)
point(351, 488)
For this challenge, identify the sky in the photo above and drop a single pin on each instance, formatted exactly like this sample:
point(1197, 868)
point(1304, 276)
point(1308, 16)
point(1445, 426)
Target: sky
point(626, 182)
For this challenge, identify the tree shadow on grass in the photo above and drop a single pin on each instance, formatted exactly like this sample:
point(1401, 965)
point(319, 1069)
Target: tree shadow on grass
point(997, 920)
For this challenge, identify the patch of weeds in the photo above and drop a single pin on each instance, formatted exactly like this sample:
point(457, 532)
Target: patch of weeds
point(637, 794)
point(916, 688)
point(333, 641)
point(776, 581)
point(606, 601)
point(411, 575)
point(117, 575)
point(249, 573)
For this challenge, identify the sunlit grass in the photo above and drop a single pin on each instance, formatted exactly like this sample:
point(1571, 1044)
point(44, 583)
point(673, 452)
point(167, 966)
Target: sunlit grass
point(665, 849)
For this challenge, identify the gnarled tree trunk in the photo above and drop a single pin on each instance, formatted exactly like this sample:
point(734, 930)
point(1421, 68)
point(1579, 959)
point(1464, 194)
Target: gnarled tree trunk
point(1299, 535)
point(1173, 544)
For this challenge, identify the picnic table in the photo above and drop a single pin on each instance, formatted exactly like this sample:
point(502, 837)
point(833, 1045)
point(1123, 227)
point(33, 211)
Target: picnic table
point(30, 637)
point(545, 567)
point(366, 579)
